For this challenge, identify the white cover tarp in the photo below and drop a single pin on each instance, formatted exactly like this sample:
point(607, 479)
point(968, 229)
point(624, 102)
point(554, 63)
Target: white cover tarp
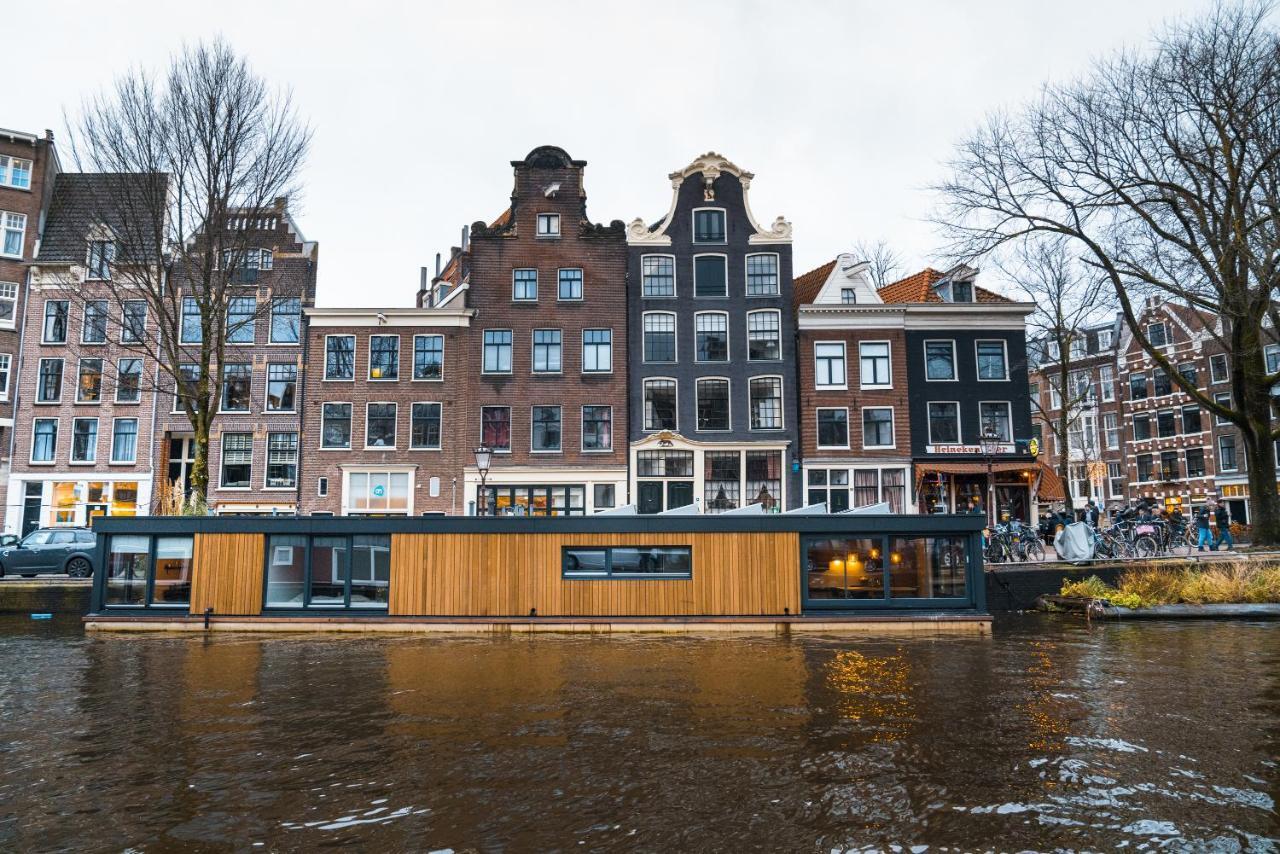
point(1074, 542)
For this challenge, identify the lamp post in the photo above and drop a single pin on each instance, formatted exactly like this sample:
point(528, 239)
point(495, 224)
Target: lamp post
point(484, 457)
point(990, 442)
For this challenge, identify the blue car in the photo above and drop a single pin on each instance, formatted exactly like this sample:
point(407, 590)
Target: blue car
point(48, 551)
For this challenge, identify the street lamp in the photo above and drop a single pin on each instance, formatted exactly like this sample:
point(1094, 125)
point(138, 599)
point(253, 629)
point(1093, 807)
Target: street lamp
point(484, 456)
point(990, 441)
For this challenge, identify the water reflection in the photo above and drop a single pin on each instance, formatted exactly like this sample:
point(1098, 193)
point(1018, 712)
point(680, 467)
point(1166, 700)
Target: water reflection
point(1048, 735)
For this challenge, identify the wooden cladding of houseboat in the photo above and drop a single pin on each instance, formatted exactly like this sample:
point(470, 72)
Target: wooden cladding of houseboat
point(227, 573)
point(490, 575)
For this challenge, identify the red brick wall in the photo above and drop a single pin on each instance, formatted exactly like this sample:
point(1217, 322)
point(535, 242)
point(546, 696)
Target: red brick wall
point(854, 398)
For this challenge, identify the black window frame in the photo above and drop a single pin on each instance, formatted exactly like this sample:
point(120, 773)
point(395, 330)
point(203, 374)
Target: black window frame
point(608, 571)
point(546, 344)
point(710, 225)
point(148, 602)
point(708, 420)
point(349, 550)
point(592, 427)
point(492, 342)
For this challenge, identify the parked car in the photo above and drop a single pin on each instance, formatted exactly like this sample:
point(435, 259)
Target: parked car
point(49, 551)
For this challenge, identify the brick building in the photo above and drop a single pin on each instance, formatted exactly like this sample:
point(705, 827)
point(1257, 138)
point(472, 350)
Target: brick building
point(28, 167)
point(713, 401)
point(548, 383)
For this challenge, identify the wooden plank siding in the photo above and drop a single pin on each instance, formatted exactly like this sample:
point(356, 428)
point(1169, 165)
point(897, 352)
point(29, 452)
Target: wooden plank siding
point(495, 575)
point(227, 574)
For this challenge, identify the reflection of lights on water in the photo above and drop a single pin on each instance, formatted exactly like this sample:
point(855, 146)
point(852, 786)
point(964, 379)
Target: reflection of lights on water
point(1044, 711)
point(874, 691)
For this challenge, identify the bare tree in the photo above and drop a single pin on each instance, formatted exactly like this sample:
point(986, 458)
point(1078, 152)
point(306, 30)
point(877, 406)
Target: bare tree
point(1068, 299)
point(1162, 169)
point(886, 264)
point(191, 161)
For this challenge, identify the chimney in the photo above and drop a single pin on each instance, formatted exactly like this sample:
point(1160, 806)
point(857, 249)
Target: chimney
point(437, 264)
point(424, 291)
point(466, 237)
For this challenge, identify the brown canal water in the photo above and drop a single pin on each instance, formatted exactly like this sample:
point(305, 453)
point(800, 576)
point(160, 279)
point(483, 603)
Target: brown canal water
point(1051, 735)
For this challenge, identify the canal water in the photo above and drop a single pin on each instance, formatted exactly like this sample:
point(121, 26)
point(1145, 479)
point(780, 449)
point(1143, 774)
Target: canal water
point(1051, 735)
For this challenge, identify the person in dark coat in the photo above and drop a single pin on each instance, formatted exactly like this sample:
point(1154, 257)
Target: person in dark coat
point(1202, 528)
point(1223, 518)
point(1092, 514)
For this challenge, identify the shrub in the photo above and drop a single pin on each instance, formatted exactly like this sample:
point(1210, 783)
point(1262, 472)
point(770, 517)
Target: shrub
point(1152, 585)
point(1240, 581)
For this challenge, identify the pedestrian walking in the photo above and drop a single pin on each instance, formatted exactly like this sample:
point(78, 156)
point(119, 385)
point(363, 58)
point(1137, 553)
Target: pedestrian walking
point(1092, 514)
point(1202, 527)
point(1223, 518)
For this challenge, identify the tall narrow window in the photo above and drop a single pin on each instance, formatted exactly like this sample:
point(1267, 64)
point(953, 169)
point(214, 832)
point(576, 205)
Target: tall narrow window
point(658, 276)
point(597, 428)
point(762, 275)
point(237, 380)
point(711, 336)
point(128, 380)
point(13, 231)
point(286, 320)
point(94, 328)
point(240, 317)
point(659, 337)
point(1157, 334)
point(713, 404)
point(282, 386)
point(722, 481)
point(570, 284)
point(44, 440)
point(877, 427)
point(764, 335)
point(709, 276)
point(944, 423)
point(186, 386)
point(335, 426)
point(49, 381)
point(8, 304)
point(992, 364)
point(597, 351)
point(876, 372)
point(191, 331)
point(995, 420)
point(660, 404)
point(546, 428)
point(546, 351)
point(708, 226)
point(940, 360)
point(133, 325)
point(497, 351)
point(124, 440)
point(828, 361)
point(237, 460)
point(380, 425)
point(428, 357)
point(6, 370)
point(384, 357)
point(1218, 368)
point(524, 285)
point(84, 440)
point(495, 427)
point(766, 403)
point(89, 384)
point(101, 254)
point(55, 321)
point(340, 357)
point(424, 427)
point(282, 460)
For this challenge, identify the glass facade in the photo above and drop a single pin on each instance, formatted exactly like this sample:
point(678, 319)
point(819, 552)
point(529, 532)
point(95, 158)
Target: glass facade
point(328, 571)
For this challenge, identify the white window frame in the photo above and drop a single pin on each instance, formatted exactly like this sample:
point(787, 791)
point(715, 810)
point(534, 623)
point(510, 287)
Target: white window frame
point(7, 360)
point(413, 367)
point(137, 440)
point(557, 406)
point(483, 346)
point(395, 425)
point(728, 399)
point(759, 311)
point(693, 226)
point(322, 487)
point(1164, 333)
point(102, 373)
point(57, 430)
point(297, 461)
point(551, 220)
point(746, 266)
point(693, 267)
point(1004, 348)
point(536, 284)
point(71, 446)
point(7, 163)
point(222, 453)
point(675, 321)
point(511, 427)
point(817, 429)
point(369, 359)
point(106, 322)
point(1226, 368)
point(644, 384)
point(928, 423)
point(674, 276)
point(728, 347)
point(955, 363)
point(438, 447)
point(12, 323)
point(182, 314)
point(354, 365)
point(351, 422)
point(533, 358)
point(582, 433)
point(582, 285)
point(266, 389)
point(582, 355)
point(142, 369)
point(62, 379)
point(222, 389)
point(1107, 383)
point(44, 316)
point(843, 385)
point(1218, 420)
point(5, 227)
point(893, 429)
point(782, 404)
point(1008, 414)
point(1235, 449)
point(1104, 339)
point(862, 384)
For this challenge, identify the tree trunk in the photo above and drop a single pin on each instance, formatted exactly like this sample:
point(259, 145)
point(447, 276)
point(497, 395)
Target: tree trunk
point(1064, 451)
point(199, 478)
point(1253, 397)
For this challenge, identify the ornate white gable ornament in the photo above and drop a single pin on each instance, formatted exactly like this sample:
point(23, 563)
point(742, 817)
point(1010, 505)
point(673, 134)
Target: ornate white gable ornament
point(711, 166)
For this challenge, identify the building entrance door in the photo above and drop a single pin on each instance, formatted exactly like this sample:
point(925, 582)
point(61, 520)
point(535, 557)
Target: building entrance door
point(31, 507)
point(654, 496)
point(679, 493)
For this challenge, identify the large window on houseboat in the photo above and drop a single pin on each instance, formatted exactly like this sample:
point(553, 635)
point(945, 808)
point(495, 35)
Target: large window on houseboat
point(628, 562)
point(328, 571)
point(149, 571)
point(886, 567)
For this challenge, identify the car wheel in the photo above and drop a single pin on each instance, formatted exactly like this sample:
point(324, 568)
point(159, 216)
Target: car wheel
point(78, 567)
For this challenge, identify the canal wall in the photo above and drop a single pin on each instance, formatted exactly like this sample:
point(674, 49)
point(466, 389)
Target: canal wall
point(1017, 588)
point(45, 596)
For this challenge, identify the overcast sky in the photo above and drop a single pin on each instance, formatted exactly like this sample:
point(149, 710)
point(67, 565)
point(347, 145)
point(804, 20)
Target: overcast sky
point(845, 111)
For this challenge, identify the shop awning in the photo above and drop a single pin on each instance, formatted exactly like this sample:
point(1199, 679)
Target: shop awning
point(973, 468)
point(1051, 488)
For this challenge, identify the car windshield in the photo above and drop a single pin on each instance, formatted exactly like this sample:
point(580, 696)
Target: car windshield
point(37, 538)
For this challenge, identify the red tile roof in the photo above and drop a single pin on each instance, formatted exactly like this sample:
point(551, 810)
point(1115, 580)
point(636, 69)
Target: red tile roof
point(920, 288)
point(503, 219)
point(808, 285)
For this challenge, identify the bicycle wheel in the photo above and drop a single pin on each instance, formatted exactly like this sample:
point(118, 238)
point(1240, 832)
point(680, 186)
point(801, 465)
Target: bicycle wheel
point(1035, 549)
point(1145, 546)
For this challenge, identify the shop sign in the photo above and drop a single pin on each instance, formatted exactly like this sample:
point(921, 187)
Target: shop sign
point(968, 449)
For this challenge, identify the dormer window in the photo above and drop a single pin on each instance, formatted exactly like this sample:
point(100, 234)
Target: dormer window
point(708, 225)
point(1104, 339)
point(101, 255)
point(962, 291)
point(1157, 334)
point(848, 296)
point(548, 225)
